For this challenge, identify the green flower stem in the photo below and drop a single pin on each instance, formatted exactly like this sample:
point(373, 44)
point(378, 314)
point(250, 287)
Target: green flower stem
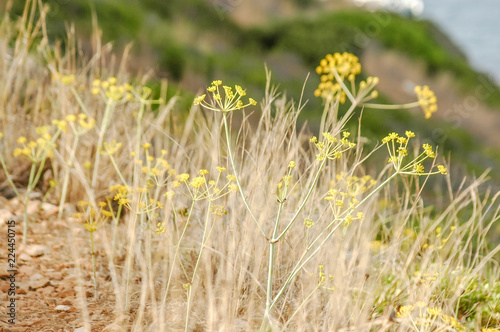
point(8, 175)
point(327, 114)
point(66, 177)
point(175, 255)
point(348, 93)
point(80, 102)
point(115, 227)
point(300, 265)
point(270, 273)
point(230, 153)
point(93, 263)
point(304, 302)
point(272, 248)
point(294, 218)
point(203, 242)
point(392, 107)
point(105, 122)
point(33, 180)
point(139, 127)
point(118, 170)
point(131, 228)
point(354, 100)
point(190, 291)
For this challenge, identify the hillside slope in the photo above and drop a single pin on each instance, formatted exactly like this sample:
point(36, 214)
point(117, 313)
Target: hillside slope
point(192, 42)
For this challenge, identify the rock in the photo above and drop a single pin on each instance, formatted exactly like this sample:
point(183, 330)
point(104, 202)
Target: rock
point(5, 215)
point(14, 203)
point(69, 209)
point(33, 207)
point(80, 329)
point(36, 322)
point(25, 257)
point(62, 308)
point(67, 293)
point(38, 281)
point(49, 209)
point(3, 273)
point(36, 250)
point(46, 291)
point(113, 327)
point(4, 288)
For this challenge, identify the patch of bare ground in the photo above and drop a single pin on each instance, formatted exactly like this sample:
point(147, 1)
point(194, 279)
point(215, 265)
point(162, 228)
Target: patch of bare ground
point(54, 289)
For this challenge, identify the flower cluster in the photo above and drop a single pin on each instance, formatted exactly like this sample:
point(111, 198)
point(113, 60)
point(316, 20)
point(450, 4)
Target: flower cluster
point(111, 147)
point(284, 184)
point(156, 169)
point(39, 149)
point(84, 123)
point(121, 194)
point(398, 151)
point(64, 79)
point(343, 204)
point(110, 90)
point(421, 317)
point(332, 147)
point(426, 100)
point(228, 101)
point(330, 91)
point(354, 185)
point(92, 217)
point(345, 64)
point(201, 187)
point(335, 68)
point(146, 203)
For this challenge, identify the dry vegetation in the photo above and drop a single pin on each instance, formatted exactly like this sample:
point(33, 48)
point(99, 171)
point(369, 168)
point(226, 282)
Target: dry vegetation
point(165, 248)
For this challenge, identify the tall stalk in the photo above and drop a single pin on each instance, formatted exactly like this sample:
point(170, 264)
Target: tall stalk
point(235, 171)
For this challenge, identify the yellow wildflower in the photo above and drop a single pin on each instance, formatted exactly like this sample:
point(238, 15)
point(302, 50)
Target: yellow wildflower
point(427, 100)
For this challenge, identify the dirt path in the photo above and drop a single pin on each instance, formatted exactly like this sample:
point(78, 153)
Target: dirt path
point(51, 284)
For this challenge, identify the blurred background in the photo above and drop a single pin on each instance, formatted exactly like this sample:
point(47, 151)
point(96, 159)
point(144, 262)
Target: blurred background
point(451, 45)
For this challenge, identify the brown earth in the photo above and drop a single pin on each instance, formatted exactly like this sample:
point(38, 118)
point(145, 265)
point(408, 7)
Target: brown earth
point(54, 289)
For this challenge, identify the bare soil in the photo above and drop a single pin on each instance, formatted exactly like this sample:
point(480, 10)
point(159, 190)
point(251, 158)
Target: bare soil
point(54, 289)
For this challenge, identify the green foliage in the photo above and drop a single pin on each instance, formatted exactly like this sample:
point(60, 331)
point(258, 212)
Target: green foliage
point(173, 60)
point(481, 302)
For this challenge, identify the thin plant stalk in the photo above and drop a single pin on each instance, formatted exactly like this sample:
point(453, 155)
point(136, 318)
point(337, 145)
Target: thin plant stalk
point(66, 177)
point(93, 263)
point(117, 169)
point(9, 179)
point(300, 265)
point(292, 221)
point(203, 242)
point(392, 107)
point(272, 249)
point(175, 255)
point(33, 180)
point(235, 171)
point(304, 302)
point(105, 123)
point(116, 219)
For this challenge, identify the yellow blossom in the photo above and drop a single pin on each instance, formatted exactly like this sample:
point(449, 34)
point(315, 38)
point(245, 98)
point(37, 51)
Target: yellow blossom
point(224, 102)
point(427, 100)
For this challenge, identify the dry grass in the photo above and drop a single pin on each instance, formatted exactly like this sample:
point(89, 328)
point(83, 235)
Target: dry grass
point(395, 257)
